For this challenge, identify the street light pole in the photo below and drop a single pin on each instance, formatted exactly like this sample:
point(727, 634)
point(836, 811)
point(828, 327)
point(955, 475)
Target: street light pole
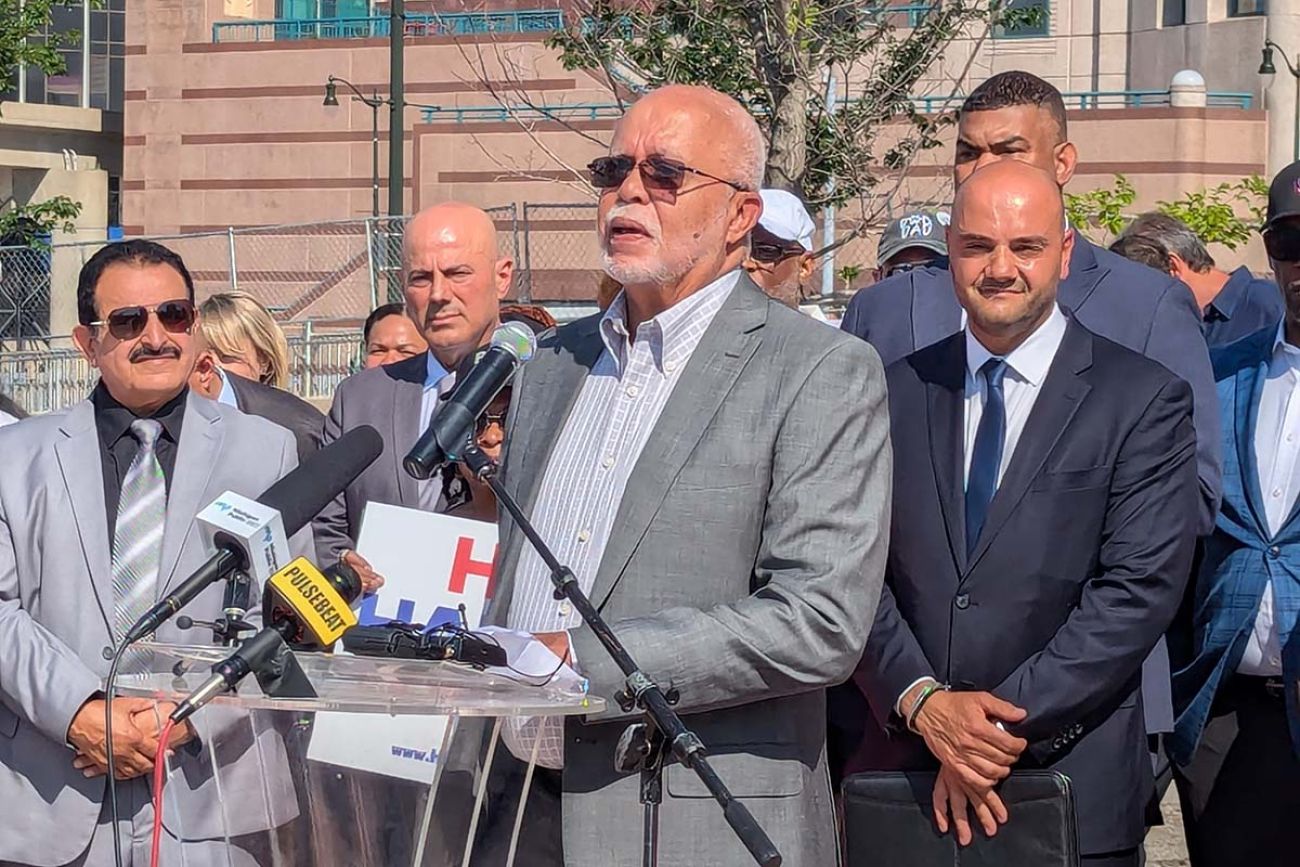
point(1266, 68)
point(373, 102)
point(396, 95)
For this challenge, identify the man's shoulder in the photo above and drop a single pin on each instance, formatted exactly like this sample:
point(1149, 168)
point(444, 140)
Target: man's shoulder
point(896, 292)
point(287, 405)
point(239, 425)
point(1141, 286)
point(1247, 352)
point(382, 380)
point(33, 432)
point(1121, 369)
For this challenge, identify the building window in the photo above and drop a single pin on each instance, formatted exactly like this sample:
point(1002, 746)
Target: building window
point(106, 39)
point(1038, 27)
point(1239, 8)
point(1173, 13)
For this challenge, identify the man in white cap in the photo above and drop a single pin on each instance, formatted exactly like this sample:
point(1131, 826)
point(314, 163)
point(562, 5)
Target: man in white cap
point(780, 253)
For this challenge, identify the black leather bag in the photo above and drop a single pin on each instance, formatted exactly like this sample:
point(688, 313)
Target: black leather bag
point(889, 820)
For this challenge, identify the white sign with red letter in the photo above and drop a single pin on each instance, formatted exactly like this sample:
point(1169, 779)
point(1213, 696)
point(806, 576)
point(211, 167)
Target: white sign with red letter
point(432, 564)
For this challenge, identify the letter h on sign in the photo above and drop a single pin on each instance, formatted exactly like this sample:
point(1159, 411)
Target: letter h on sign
point(465, 565)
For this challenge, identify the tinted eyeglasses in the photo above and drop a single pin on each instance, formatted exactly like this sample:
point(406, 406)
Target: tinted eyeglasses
point(770, 254)
point(487, 419)
point(1283, 242)
point(940, 262)
point(659, 173)
point(128, 323)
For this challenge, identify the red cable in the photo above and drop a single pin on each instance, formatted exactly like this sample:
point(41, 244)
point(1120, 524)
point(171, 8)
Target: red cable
point(159, 774)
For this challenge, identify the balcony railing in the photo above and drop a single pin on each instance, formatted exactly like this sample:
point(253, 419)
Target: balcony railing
point(1089, 99)
point(378, 27)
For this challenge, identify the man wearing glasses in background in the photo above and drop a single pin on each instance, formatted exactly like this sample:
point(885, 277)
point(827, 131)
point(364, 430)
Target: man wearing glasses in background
point(97, 507)
point(915, 240)
point(780, 248)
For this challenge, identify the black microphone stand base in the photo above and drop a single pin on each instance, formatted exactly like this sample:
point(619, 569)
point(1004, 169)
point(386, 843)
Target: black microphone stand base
point(645, 746)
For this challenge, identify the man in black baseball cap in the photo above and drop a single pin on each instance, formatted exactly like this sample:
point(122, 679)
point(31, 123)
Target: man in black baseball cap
point(1282, 241)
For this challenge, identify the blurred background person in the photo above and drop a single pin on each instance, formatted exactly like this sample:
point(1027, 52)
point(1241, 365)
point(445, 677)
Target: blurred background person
point(1232, 305)
point(915, 240)
point(464, 495)
point(1143, 250)
point(10, 411)
point(780, 248)
point(390, 335)
point(247, 341)
point(607, 291)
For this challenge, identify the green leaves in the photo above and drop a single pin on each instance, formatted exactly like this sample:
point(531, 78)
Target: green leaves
point(28, 225)
point(1213, 214)
point(1103, 208)
point(20, 19)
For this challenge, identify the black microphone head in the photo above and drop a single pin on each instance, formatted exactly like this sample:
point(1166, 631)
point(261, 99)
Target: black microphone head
point(184, 622)
point(345, 580)
point(302, 493)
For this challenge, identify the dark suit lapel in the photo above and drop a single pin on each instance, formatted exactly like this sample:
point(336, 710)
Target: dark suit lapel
point(1085, 273)
point(935, 311)
point(722, 354)
point(201, 435)
point(1062, 392)
point(83, 477)
point(1248, 388)
point(945, 389)
point(408, 399)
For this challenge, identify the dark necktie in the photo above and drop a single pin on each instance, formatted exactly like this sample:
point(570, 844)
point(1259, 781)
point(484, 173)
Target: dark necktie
point(986, 456)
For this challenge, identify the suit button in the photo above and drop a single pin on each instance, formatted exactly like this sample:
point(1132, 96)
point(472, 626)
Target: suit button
point(107, 653)
point(1274, 552)
point(962, 601)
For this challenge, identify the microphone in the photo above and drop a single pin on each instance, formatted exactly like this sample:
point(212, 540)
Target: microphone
point(250, 535)
point(305, 609)
point(452, 428)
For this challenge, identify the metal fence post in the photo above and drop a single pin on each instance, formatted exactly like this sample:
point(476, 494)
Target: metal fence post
point(234, 274)
point(307, 360)
point(370, 259)
point(528, 254)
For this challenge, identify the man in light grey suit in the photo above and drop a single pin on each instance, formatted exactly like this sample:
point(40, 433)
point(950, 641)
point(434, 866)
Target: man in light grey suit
point(454, 277)
point(716, 469)
point(97, 511)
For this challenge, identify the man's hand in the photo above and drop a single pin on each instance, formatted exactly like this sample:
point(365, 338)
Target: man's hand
point(133, 748)
point(960, 728)
point(556, 642)
point(950, 793)
point(370, 579)
point(151, 720)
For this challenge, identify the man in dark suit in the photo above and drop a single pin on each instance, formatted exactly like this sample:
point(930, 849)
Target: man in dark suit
point(1017, 116)
point(1237, 738)
point(454, 279)
point(289, 411)
point(1042, 532)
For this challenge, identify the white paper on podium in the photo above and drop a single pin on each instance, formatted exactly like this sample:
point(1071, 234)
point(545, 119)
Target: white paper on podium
point(431, 564)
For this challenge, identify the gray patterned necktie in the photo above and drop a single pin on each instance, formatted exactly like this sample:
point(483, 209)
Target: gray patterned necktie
point(138, 533)
point(430, 490)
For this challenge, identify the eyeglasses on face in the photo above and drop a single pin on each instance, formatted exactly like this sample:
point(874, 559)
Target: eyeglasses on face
point(1283, 242)
point(940, 262)
point(771, 254)
point(127, 323)
point(659, 173)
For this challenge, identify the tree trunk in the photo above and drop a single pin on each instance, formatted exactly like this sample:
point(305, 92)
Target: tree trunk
point(776, 44)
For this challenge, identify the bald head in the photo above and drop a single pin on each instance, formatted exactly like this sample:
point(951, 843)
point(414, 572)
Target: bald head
point(454, 278)
point(1008, 250)
point(665, 235)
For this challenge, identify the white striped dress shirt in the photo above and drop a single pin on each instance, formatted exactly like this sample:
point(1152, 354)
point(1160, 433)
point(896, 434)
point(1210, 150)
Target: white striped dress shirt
point(619, 405)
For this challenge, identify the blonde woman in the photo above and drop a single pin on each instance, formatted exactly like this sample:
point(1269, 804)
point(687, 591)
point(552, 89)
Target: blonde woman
point(245, 338)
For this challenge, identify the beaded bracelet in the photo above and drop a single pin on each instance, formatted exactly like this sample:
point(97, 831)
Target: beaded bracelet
point(929, 690)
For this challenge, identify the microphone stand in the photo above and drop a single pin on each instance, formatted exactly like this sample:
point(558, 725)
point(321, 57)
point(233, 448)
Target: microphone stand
point(661, 735)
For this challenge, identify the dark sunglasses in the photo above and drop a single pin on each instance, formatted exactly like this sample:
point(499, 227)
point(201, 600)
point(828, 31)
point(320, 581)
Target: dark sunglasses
point(940, 262)
point(1283, 243)
point(770, 254)
point(487, 419)
point(128, 323)
point(657, 172)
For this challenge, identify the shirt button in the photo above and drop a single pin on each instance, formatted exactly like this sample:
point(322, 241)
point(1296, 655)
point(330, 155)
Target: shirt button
point(584, 535)
point(565, 608)
point(962, 601)
point(607, 462)
point(1277, 492)
point(1273, 660)
point(633, 391)
point(1275, 552)
point(670, 366)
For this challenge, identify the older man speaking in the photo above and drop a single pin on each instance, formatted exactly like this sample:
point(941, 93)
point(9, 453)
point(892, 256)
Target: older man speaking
point(715, 467)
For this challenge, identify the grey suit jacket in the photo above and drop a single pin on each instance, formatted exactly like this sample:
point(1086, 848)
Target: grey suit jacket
point(744, 569)
point(56, 607)
point(287, 410)
point(388, 398)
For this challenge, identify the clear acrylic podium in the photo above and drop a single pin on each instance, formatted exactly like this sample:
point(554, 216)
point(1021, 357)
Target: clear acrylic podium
point(245, 793)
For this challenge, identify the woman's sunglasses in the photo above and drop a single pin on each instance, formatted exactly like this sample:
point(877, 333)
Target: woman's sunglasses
point(658, 173)
point(128, 323)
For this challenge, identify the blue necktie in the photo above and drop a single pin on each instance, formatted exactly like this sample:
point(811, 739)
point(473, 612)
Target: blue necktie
point(986, 456)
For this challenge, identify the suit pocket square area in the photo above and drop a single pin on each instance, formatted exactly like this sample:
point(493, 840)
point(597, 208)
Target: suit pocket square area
point(888, 819)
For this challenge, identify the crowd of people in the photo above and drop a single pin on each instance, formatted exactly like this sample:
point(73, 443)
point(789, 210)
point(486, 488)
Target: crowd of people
point(1032, 507)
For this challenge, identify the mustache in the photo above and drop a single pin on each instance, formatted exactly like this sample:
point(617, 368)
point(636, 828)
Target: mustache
point(643, 216)
point(147, 353)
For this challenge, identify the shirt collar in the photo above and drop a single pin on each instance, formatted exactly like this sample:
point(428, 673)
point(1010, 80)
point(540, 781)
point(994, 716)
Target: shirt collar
point(1029, 361)
point(114, 420)
point(673, 331)
point(227, 395)
point(434, 373)
point(1229, 298)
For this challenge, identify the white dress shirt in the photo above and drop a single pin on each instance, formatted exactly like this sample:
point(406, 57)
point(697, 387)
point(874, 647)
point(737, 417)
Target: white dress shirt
point(616, 411)
point(227, 395)
point(1277, 447)
point(6, 419)
point(437, 383)
point(1027, 367)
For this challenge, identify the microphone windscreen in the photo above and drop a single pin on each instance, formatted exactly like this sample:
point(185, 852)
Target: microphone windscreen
point(302, 493)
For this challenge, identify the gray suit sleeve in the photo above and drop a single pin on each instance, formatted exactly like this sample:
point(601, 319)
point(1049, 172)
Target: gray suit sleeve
point(819, 568)
point(330, 529)
point(41, 678)
point(1176, 341)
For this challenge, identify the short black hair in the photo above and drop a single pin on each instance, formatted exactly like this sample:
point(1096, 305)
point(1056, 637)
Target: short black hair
point(135, 252)
point(378, 313)
point(1016, 87)
point(1142, 249)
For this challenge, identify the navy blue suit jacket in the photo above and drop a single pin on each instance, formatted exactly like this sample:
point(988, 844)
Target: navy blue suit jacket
point(1238, 560)
point(1131, 304)
point(1079, 569)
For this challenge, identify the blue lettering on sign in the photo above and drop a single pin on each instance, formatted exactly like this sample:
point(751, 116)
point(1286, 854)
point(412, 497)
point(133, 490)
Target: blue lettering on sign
point(367, 616)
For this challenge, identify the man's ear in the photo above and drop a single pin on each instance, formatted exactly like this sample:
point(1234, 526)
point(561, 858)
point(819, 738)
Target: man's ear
point(746, 209)
point(84, 337)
